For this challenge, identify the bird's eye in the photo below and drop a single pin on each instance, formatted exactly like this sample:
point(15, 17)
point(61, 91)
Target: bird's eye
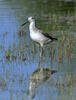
point(33, 18)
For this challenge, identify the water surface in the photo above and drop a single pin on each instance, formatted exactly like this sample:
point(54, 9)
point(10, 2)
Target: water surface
point(19, 55)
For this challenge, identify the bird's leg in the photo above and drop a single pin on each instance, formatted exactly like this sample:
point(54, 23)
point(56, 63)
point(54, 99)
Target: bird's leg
point(39, 56)
point(39, 63)
point(38, 48)
point(41, 53)
point(34, 46)
point(34, 50)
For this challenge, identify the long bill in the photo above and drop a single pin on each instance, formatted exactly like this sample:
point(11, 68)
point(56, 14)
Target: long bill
point(24, 23)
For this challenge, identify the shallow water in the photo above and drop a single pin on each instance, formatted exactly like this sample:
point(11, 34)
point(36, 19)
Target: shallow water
point(19, 55)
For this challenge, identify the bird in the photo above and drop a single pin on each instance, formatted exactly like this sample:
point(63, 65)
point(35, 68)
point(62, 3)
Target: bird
point(36, 34)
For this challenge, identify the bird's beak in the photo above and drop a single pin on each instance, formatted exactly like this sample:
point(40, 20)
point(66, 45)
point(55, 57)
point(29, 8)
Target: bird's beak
point(24, 23)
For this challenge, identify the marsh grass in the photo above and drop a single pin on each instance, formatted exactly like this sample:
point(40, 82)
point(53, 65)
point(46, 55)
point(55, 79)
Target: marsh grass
point(19, 56)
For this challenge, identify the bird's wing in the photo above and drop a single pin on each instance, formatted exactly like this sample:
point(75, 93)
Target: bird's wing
point(47, 35)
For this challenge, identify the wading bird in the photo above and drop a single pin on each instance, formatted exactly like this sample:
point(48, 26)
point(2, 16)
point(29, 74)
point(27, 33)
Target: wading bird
point(36, 34)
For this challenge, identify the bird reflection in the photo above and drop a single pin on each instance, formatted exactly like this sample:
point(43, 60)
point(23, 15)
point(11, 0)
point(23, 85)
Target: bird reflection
point(37, 78)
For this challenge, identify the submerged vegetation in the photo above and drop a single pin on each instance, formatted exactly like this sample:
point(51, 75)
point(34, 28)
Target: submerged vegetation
point(19, 55)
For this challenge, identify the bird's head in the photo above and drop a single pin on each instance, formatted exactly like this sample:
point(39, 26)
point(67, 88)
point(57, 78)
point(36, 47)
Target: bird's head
point(29, 20)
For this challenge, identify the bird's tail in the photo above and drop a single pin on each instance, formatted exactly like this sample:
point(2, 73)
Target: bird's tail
point(53, 39)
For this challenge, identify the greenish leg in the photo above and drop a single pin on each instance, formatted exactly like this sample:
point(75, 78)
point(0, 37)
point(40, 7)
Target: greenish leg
point(41, 52)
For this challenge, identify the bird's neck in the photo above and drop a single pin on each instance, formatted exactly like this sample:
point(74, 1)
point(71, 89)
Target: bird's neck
point(32, 26)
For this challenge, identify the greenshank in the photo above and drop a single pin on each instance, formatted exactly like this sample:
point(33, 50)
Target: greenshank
point(36, 34)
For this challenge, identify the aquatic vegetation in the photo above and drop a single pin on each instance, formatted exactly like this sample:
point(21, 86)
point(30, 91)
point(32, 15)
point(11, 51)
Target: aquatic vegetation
point(14, 54)
point(21, 69)
point(3, 83)
point(21, 33)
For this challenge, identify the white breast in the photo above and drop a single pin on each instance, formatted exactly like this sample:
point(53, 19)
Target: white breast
point(35, 34)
